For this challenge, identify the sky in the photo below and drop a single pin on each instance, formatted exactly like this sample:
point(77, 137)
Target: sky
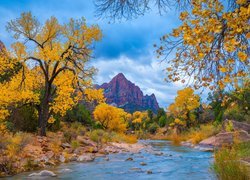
point(126, 47)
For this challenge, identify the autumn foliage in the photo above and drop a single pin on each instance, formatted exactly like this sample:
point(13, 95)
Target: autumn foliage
point(211, 46)
point(182, 109)
point(110, 117)
point(53, 71)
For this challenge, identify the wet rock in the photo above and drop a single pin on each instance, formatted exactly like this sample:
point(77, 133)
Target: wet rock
point(143, 163)
point(129, 159)
point(159, 153)
point(149, 172)
point(44, 173)
point(86, 158)
point(73, 158)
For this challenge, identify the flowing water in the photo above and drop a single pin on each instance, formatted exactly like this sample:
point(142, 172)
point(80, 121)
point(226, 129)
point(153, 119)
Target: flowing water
point(165, 162)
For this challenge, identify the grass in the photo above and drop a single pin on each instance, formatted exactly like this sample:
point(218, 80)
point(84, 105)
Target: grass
point(228, 164)
point(195, 135)
point(100, 135)
point(201, 133)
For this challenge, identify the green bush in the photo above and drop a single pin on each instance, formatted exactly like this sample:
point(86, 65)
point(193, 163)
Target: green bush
point(162, 121)
point(24, 118)
point(79, 114)
point(100, 135)
point(153, 128)
point(56, 125)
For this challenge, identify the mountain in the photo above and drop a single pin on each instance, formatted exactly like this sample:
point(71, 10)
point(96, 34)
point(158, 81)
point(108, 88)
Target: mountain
point(125, 94)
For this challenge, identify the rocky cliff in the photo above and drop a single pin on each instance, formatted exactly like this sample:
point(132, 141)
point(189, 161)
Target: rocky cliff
point(125, 94)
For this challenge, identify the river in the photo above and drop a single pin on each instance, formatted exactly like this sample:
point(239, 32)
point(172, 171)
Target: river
point(166, 162)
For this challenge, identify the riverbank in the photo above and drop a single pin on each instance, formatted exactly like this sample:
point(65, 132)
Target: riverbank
point(162, 161)
point(26, 152)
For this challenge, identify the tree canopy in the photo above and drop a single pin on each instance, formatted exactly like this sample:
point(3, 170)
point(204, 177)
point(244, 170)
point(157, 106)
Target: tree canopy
point(54, 69)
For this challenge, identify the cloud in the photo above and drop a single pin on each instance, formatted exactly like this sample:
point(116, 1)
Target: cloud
point(149, 76)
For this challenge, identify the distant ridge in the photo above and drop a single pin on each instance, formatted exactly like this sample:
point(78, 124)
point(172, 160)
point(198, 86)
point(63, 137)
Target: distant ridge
point(123, 93)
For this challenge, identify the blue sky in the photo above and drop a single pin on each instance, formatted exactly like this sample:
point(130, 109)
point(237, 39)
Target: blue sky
point(127, 46)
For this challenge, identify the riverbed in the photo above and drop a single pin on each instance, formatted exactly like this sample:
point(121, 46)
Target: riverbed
point(162, 161)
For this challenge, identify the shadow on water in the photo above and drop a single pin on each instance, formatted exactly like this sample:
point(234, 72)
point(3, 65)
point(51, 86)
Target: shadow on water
point(165, 161)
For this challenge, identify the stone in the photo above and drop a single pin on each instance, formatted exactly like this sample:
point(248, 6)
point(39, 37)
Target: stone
point(106, 158)
point(237, 126)
point(50, 163)
point(79, 150)
point(149, 172)
point(44, 173)
point(143, 163)
point(225, 138)
point(159, 153)
point(129, 159)
point(84, 140)
point(50, 154)
point(86, 158)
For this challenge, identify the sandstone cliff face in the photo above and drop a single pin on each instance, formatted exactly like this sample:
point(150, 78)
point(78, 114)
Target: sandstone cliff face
point(124, 94)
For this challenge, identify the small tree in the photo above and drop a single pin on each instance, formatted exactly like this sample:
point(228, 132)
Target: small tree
point(182, 109)
point(110, 117)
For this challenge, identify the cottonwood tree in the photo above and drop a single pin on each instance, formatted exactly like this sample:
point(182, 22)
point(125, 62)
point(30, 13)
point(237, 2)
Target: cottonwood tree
point(211, 46)
point(54, 69)
point(182, 109)
point(110, 117)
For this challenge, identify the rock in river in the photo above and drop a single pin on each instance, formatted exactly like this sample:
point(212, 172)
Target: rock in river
point(44, 173)
point(86, 158)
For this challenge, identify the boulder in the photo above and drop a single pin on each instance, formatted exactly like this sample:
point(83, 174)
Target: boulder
point(129, 159)
point(225, 138)
point(238, 125)
point(85, 141)
point(149, 172)
point(143, 163)
point(86, 158)
point(44, 173)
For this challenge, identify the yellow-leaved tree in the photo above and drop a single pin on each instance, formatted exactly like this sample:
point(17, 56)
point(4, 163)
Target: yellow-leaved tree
point(94, 96)
point(182, 109)
point(110, 117)
point(53, 57)
point(139, 119)
point(211, 46)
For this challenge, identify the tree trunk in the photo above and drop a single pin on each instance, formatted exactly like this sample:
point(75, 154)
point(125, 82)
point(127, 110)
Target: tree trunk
point(43, 113)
